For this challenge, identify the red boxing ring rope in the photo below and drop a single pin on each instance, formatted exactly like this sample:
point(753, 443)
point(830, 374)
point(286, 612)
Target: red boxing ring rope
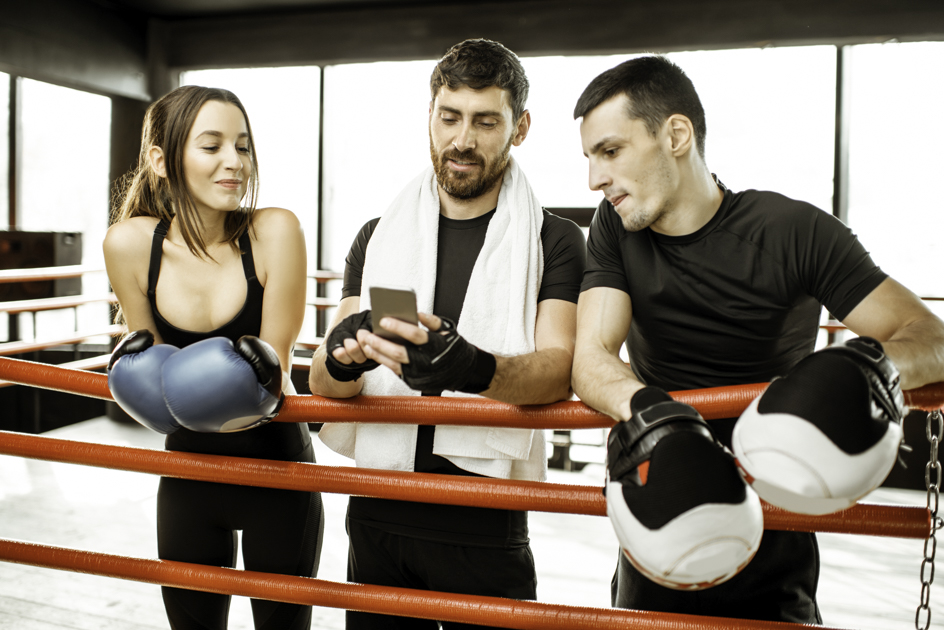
point(863, 518)
point(495, 493)
point(493, 611)
point(713, 403)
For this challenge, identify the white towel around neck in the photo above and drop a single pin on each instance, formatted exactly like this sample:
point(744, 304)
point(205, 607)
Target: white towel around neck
point(498, 315)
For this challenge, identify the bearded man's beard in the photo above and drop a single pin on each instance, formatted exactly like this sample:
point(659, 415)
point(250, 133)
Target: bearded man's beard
point(468, 185)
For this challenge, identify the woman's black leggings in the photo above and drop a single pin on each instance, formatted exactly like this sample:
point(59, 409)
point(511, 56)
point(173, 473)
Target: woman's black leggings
point(282, 533)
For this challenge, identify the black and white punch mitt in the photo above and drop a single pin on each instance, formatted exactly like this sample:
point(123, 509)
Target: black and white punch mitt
point(825, 434)
point(692, 523)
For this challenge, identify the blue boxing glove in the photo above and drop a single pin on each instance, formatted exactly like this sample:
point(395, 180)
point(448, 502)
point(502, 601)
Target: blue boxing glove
point(215, 386)
point(134, 378)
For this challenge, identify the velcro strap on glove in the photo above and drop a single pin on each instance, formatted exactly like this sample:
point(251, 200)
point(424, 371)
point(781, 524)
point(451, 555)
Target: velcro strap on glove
point(654, 415)
point(448, 361)
point(347, 329)
point(888, 402)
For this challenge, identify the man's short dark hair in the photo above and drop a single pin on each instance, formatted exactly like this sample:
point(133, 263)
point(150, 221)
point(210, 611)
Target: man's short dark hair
point(657, 89)
point(480, 64)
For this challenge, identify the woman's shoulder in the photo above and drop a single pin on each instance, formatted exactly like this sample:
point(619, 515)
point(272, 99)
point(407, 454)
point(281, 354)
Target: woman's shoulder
point(129, 236)
point(276, 230)
point(274, 221)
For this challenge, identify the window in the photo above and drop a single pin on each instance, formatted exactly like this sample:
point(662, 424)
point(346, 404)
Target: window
point(376, 140)
point(64, 185)
point(284, 109)
point(4, 150)
point(4, 171)
point(895, 164)
point(770, 115)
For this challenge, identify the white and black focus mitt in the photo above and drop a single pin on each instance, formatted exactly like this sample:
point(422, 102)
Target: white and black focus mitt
point(825, 434)
point(693, 523)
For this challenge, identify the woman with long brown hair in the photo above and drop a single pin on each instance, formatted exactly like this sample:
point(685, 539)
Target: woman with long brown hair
point(194, 263)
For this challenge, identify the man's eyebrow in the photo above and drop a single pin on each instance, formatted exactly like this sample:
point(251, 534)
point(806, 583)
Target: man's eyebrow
point(453, 110)
point(599, 145)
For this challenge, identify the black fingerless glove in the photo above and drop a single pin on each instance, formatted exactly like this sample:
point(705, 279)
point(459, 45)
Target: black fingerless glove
point(347, 329)
point(447, 361)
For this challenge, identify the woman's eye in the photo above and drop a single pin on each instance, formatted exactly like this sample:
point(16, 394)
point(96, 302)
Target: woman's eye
point(210, 148)
point(243, 150)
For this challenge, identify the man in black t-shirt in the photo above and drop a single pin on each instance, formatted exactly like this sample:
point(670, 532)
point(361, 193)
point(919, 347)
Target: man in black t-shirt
point(707, 288)
point(502, 277)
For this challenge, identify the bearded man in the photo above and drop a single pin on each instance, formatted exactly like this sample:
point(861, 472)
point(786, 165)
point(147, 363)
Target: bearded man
point(497, 280)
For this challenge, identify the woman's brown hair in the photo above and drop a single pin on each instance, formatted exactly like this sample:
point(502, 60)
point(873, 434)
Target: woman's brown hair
point(142, 192)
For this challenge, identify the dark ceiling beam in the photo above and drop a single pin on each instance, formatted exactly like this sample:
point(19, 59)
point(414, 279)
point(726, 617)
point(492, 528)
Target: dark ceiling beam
point(542, 27)
point(75, 43)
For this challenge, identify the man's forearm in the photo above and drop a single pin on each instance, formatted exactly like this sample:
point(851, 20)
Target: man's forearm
point(532, 379)
point(605, 383)
point(917, 350)
point(322, 384)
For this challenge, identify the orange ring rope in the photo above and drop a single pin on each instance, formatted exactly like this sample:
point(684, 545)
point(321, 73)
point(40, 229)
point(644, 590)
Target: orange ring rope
point(19, 347)
point(35, 274)
point(900, 521)
point(48, 304)
point(712, 403)
point(868, 519)
point(475, 609)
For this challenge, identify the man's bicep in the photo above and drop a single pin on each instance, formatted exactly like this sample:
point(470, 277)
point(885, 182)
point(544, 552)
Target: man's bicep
point(833, 265)
point(556, 325)
point(354, 262)
point(603, 318)
point(886, 310)
point(605, 265)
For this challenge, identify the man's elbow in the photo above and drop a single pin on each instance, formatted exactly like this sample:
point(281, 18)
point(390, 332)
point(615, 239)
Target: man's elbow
point(316, 378)
point(560, 390)
point(560, 386)
point(579, 371)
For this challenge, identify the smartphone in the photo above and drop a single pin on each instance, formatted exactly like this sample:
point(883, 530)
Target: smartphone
point(392, 302)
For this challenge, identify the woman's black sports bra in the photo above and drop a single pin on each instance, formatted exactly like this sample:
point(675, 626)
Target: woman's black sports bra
point(275, 440)
point(247, 322)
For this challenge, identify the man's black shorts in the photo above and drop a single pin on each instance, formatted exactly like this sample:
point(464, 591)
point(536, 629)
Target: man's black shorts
point(779, 584)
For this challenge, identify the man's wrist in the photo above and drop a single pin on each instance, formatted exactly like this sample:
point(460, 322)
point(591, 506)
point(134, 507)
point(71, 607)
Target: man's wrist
point(339, 372)
point(482, 374)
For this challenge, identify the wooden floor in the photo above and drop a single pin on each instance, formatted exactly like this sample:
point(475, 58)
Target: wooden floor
point(866, 583)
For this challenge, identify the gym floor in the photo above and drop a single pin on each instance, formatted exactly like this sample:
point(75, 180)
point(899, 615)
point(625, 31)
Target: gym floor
point(866, 582)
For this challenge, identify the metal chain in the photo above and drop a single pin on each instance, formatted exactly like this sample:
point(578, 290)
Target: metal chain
point(937, 523)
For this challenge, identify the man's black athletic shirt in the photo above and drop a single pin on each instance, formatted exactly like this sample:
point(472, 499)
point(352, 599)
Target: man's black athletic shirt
point(737, 301)
point(460, 242)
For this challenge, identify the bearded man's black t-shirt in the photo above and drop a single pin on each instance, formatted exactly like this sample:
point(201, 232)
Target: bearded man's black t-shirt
point(460, 242)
